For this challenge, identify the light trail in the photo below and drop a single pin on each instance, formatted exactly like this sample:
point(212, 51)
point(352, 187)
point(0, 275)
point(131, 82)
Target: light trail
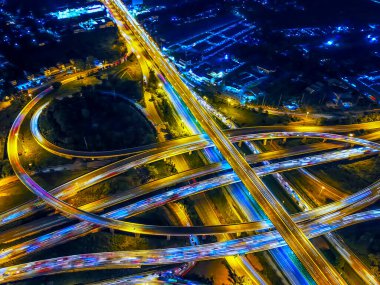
point(132, 259)
point(91, 179)
point(329, 135)
point(238, 133)
point(79, 214)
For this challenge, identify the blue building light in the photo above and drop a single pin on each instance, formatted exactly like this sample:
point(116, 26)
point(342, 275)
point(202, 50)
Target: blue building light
point(330, 43)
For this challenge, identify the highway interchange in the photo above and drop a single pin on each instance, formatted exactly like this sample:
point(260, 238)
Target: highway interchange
point(354, 202)
point(295, 230)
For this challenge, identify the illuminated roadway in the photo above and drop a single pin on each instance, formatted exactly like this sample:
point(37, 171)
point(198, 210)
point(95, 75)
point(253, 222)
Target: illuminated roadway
point(120, 166)
point(168, 149)
point(62, 206)
point(45, 144)
point(68, 153)
point(132, 259)
point(145, 158)
point(310, 134)
point(238, 163)
point(318, 267)
point(335, 210)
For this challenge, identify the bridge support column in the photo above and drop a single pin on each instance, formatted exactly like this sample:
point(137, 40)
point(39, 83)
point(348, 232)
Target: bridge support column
point(265, 142)
point(190, 152)
point(304, 139)
point(284, 140)
point(324, 140)
point(168, 237)
point(240, 143)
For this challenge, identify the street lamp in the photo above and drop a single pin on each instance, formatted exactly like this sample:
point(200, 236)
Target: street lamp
point(307, 114)
point(322, 188)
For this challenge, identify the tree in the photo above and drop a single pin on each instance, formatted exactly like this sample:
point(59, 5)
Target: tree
point(152, 80)
point(6, 168)
point(56, 85)
point(233, 278)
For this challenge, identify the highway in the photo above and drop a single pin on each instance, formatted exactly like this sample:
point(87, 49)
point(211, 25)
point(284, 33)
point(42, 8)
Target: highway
point(260, 135)
point(231, 133)
point(67, 190)
point(317, 266)
point(338, 209)
point(285, 224)
point(171, 148)
point(133, 259)
point(329, 135)
point(121, 166)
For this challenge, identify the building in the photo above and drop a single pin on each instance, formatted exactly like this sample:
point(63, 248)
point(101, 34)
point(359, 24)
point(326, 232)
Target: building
point(137, 2)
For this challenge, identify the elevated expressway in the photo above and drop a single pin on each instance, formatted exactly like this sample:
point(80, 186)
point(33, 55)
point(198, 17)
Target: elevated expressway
point(321, 271)
point(142, 158)
point(345, 251)
point(230, 133)
point(336, 210)
point(361, 197)
point(133, 259)
point(156, 152)
point(127, 163)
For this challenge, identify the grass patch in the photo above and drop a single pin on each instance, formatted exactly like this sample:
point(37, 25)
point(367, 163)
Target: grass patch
point(350, 176)
point(246, 117)
point(82, 122)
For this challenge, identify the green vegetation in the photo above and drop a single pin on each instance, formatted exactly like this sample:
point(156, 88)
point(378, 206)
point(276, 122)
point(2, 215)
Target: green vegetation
point(372, 117)
point(117, 87)
point(5, 168)
point(226, 213)
point(245, 116)
point(8, 114)
point(350, 176)
point(124, 182)
point(195, 159)
point(350, 119)
point(364, 240)
point(175, 128)
point(152, 81)
point(233, 278)
point(92, 121)
point(82, 48)
point(189, 205)
point(56, 85)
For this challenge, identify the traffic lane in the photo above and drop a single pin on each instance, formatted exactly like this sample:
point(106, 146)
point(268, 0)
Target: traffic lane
point(139, 258)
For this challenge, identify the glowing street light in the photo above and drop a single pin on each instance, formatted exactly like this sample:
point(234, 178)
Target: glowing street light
point(322, 188)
